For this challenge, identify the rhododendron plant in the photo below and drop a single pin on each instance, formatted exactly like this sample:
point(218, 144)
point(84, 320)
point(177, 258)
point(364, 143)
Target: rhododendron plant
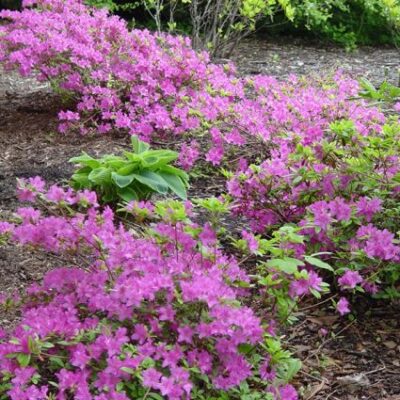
point(155, 85)
point(340, 189)
point(130, 317)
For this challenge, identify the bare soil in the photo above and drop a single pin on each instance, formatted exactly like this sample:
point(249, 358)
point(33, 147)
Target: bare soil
point(356, 360)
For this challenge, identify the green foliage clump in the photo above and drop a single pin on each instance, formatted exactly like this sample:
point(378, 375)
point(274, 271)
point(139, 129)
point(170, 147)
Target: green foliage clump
point(346, 22)
point(136, 175)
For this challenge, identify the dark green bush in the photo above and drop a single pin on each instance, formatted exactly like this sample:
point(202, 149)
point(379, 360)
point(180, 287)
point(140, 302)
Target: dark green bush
point(348, 23)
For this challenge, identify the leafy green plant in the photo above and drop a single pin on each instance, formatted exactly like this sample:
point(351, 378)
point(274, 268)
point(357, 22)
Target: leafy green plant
point(135, 175)
point(109, 4)
point(348, 23)
point(386, 92)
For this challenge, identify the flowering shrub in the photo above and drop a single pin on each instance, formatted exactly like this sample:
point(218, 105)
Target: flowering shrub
point(133, 318)
point(340, 190)
point(154, 84)
point(117, 79)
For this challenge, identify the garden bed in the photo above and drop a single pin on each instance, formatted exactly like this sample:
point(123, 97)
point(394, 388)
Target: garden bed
point(30, 145)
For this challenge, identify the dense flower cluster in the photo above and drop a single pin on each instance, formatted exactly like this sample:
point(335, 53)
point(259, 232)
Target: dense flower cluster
point(131, 315)
point(118, 79)
point(148, 84)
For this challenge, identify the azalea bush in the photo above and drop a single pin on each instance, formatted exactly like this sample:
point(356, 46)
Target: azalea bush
point(114, 78)
point(129, 317)
point(339, 190)
point(156, 86)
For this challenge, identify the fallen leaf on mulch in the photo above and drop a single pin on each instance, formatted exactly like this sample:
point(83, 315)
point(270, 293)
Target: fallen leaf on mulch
point(353, 382)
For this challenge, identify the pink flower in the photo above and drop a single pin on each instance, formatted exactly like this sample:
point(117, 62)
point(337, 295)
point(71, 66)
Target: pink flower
point(152, 378)
point(323, 332)
point(288, 392)
point(267, 373)
point(342, 306)
point(368, 207)
point(350, 279)
point(251, 240)
point(215, 155)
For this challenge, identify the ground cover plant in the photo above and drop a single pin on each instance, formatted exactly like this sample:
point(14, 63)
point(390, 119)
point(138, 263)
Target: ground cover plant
point(155, 306)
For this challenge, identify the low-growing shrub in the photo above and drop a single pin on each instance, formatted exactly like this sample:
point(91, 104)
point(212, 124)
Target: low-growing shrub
point(339, 189)
point(136, 175)
point(159, 316)
point(155, 85)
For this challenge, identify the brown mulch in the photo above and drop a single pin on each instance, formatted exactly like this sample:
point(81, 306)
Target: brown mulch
point(290, 55)
point(355, 360)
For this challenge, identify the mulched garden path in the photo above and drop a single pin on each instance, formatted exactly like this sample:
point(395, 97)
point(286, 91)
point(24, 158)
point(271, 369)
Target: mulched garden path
point(357, 359)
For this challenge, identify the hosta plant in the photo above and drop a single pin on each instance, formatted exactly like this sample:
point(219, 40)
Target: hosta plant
point(136, 175)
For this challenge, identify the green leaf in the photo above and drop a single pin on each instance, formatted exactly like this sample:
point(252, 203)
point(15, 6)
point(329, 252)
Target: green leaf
point(318, 263)
point(169, 169)
point(157, 158)
point(153, 181)
point(85, 159)
point(175, 184)
point(23, 359)
point(287, 265)
point(128, 168)
point(122, 180)
point(127, 194)
point(100, 176)
point(81, 180)
point(114, 162)
point(155, 396)
point(293, 366)
point(57, 361)
point(139, 146)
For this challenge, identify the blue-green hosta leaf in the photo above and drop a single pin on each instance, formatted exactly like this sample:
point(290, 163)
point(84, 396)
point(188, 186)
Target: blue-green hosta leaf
point(122, 180)
point(157, 158)
point(128, 168)
point(81, 180)
point(114, 162)
point(152, 180)
point(138, 146)
point(169, 169)
point(175, 184)
point(127, 194)
point(100, 176)
point(85, 159)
